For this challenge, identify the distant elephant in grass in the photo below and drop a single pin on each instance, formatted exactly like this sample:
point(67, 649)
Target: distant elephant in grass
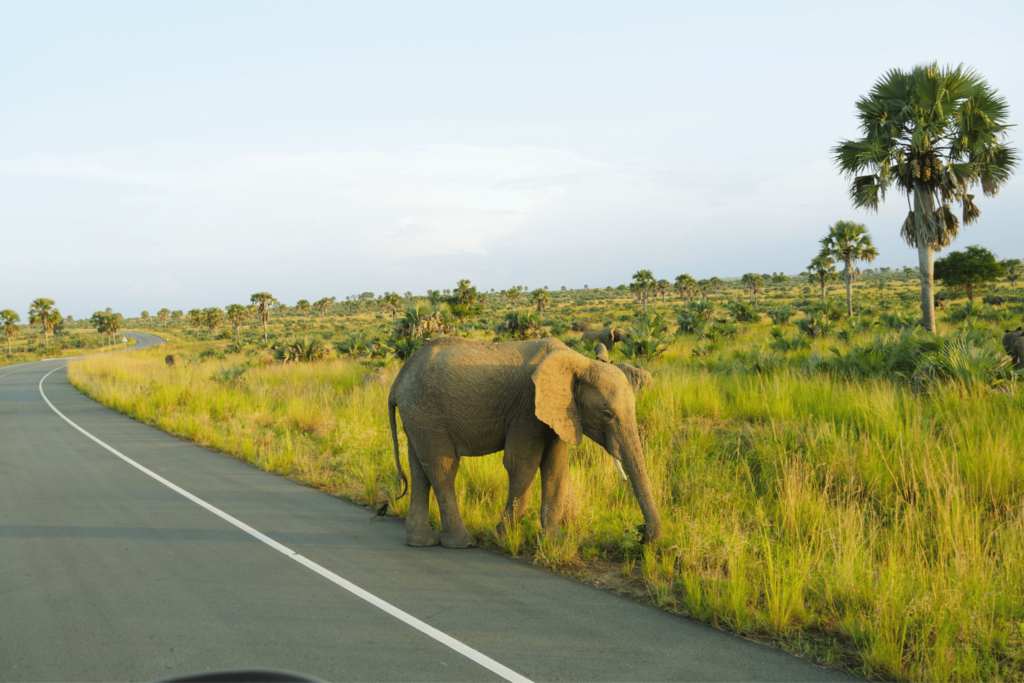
point(1013, 342)
point(174, 360)
point(460, 398)
point(608, 336)
point(375, 379)
point(581, 326)
point(994, 300)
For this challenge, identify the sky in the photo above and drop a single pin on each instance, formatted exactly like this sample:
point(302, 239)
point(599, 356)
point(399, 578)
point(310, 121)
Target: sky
point(188, 154)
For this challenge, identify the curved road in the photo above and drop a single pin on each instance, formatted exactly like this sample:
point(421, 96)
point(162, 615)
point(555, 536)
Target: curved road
point(107, 573)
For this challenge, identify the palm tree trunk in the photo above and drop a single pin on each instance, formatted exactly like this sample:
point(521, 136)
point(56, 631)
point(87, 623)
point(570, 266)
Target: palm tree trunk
point(849, 289)
point(926, 258)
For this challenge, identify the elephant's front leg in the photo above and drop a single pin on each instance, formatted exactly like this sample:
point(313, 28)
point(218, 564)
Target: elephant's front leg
point(522, 459)
point(555, 484)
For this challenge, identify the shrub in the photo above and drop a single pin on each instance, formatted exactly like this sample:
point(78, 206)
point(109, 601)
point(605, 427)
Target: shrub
point(780, 315)
point(647, 338)
point(305, 350)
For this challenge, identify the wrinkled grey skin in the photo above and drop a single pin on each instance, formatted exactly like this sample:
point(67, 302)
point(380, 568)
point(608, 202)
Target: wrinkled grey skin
point(601, 353)
point(607, 336)
point(460, 398)
point(578, 326)
point(638, 378)
point(1013, 342)
point(174, 360)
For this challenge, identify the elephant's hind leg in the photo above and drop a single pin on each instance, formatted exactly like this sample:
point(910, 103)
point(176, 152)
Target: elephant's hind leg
point(418, 532)
point(440, 467)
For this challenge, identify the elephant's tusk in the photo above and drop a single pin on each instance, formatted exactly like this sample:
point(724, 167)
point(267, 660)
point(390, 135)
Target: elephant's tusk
point(618, 466)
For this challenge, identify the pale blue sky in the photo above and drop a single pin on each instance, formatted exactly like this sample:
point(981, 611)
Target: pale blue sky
point(188, 154)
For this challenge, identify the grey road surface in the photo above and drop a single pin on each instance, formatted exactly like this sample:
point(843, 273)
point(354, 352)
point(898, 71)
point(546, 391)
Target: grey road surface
point(107, 574)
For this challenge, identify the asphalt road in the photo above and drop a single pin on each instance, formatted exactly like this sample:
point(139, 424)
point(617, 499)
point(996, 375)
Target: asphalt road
point(108, 574)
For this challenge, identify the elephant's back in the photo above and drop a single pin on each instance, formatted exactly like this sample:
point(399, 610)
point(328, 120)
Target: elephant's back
point(451, 374)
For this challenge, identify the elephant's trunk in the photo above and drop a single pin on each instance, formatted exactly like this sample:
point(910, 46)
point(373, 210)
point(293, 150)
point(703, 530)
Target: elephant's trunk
point(631, 455)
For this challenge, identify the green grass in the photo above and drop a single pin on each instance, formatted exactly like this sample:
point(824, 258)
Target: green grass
point(868, 521)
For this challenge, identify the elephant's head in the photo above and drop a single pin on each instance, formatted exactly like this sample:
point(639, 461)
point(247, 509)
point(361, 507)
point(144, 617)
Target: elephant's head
point(639, 379)
point(579, 397)
point(618, 335)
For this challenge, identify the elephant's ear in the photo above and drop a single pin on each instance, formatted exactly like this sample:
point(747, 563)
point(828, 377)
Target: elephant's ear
point(555, 403)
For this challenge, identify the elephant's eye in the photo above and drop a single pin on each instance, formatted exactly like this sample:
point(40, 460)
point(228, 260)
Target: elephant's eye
point(608, 416)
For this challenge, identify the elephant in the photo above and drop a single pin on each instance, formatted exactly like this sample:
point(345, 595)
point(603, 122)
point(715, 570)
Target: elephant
point(638, 378)
point(994, 300)
point(375, 379)
point(578, 326)
point(462, 398)
point(1013, 342)
point(174, 360)
point(607, 336)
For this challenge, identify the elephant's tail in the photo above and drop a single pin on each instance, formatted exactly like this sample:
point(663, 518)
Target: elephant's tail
point(394, 439)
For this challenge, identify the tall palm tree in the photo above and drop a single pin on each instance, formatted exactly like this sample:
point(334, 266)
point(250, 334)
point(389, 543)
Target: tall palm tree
point(41, 311)
point(303, 307)
point(932, 133)
point(716, 284)
point(195, 319)
point(9, 322)
point(848, 242)
point(263, 301)
point(162, 315)
point(822, 271)
point(236, 315)
point(644, 282)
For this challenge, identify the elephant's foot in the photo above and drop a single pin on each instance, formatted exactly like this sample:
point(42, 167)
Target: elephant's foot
point(457, 539)
point(422, 538)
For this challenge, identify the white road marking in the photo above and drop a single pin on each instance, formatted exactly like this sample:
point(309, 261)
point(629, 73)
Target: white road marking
point(441, 637)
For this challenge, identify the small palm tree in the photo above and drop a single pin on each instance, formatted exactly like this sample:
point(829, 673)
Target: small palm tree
point(662, 287)
point(236, 315)
point(324, 305)
point(303, 307)
point(212, 318)
point(932, 133)
point(848, 242)
point(753, 283)
point(195, 319)
point(716, 284)
point(162, 315)
point(512, 294)
point(1013, 266)
point(263, 301)
point(644, 282)
point(540, 299)
point(41, 311)
point(822, 271)
point(9, 322)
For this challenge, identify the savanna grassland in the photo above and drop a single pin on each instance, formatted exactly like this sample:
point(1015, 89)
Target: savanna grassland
point(849, 489)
